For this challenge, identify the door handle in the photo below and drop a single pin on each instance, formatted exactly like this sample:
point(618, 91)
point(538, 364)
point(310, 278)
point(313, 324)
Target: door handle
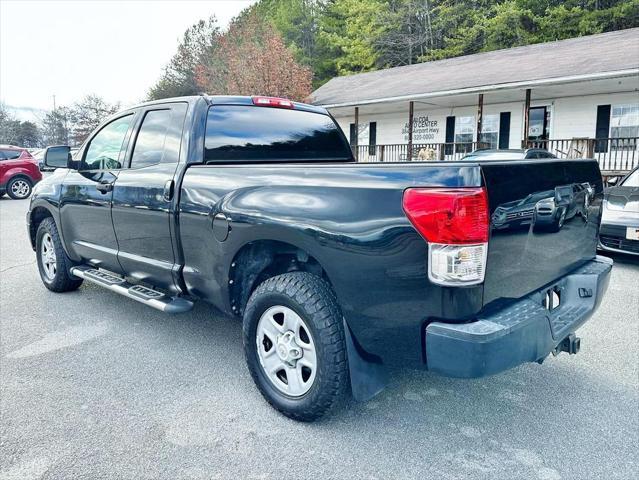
point(104, 187)
point(169, 187)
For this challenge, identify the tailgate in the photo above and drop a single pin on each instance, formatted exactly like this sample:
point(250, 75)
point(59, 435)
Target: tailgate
point(544, 217)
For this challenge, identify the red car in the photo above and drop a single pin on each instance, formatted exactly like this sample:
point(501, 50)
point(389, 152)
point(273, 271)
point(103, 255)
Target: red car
point(19, 172)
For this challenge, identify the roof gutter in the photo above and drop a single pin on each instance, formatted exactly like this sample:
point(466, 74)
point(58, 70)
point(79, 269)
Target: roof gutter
point(491, 88)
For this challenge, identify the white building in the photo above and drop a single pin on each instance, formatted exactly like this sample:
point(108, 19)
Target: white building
point(576, 98)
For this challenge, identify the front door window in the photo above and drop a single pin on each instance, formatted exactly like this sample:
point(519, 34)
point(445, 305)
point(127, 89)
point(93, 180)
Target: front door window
point(106, 146)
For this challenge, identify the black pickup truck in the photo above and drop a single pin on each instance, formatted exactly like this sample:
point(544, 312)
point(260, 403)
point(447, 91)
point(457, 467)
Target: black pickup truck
point(338, 269)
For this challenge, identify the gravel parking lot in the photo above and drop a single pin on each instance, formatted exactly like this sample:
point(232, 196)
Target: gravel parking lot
point(97, 386)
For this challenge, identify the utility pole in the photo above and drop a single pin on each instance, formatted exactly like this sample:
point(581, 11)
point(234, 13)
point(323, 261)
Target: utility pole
point(54, 102)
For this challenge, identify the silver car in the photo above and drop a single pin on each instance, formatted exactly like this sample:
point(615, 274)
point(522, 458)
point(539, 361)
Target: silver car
point(619, 231)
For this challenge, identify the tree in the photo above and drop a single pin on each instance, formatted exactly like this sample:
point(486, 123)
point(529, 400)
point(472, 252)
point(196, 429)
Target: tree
point(509, 26)
point(8, 127)
point(340, 37)
point(87, 114)
point(253, 59)
point(407, 34)
point(200, 42)
point(56, 127)
point(29, 135)
point(15, 132)
point(350, 28)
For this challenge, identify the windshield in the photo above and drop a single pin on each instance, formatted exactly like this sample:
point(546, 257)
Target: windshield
point(506, 155)
point(632, 180)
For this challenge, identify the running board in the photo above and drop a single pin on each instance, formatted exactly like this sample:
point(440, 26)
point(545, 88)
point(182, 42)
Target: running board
point(139, 293)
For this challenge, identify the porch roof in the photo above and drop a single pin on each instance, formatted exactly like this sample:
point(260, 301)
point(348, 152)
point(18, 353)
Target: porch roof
point(594, 57)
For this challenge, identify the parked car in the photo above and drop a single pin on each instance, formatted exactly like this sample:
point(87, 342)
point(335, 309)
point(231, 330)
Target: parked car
point(18, 172)
point(619, 230)
point(519, 213)
point(337, 269)
point(566, 202)
point(509, 154)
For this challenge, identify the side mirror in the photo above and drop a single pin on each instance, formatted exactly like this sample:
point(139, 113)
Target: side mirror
point(58, 157)
point(612, 181)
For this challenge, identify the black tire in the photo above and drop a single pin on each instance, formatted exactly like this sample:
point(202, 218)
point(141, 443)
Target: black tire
point(558, 223)
point(23, 192)
point(312, 299)
point(62, 280)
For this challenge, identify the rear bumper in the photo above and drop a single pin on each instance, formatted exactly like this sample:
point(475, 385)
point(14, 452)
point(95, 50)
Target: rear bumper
point(521, 332)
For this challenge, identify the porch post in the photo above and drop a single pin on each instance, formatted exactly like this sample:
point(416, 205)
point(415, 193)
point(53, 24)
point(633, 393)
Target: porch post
point(356, 142)
point(409, 155)
point(524, 138)
point(480, 115)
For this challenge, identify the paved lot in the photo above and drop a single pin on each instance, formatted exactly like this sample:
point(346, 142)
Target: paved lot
point(97, 386)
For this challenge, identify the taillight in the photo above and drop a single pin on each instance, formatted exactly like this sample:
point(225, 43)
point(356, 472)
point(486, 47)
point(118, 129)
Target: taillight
point(272, 102)
point(454, 222)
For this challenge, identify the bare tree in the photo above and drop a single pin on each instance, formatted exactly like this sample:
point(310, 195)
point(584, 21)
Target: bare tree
point(408, 32)
point(87, 114)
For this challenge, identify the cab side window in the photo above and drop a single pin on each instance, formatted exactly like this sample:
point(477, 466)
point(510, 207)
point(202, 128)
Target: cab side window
point(149, 145)
point(105, 149)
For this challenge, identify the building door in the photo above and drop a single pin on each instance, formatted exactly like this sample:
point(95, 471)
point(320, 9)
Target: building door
point(539, 126)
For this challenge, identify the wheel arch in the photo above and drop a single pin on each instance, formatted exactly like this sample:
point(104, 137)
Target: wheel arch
point(36, 216)
point(259, 260)
point(19, 174)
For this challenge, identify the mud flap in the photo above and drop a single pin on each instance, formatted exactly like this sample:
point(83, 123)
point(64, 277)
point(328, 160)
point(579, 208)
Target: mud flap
point(367, 378)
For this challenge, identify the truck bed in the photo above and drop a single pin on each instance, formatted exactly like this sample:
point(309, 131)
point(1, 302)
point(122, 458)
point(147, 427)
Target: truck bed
point(349, 218)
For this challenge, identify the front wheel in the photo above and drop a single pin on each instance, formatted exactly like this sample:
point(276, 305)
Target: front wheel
point(295, 347)
point(19, 188)
point(53, 262)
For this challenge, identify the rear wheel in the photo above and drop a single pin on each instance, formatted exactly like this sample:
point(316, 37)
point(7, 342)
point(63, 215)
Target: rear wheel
point(53, 262)
point(19, 188)
point(295, 347)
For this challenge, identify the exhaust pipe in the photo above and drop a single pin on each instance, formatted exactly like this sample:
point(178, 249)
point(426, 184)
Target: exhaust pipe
point(571, 344)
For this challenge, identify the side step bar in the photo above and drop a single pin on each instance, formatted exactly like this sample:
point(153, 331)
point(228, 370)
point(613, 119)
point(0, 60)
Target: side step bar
point(139, 293)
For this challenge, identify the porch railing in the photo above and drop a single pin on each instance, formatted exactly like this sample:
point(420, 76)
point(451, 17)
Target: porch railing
point(613, 154)
point(398, 152)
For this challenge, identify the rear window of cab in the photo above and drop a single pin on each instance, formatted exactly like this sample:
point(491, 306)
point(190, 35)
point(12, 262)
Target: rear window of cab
point(241, 133)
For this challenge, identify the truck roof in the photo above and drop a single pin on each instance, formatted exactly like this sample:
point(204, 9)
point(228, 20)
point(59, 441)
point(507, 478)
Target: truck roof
point(224, 100)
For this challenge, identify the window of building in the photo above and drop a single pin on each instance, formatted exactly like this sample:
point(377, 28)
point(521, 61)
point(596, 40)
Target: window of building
point(624, 126)
point(372, 138)
point(464, 134)
point(489, 137)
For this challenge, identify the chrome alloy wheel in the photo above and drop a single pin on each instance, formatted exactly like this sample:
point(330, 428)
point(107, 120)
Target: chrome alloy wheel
point(286, 350)
point(20, 188)
point(47, 255)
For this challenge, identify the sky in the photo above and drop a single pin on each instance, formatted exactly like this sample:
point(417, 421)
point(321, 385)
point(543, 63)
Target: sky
point(113, 48)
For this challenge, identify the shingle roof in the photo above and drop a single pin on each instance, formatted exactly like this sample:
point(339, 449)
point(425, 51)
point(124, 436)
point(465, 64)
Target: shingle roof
point(594, 54)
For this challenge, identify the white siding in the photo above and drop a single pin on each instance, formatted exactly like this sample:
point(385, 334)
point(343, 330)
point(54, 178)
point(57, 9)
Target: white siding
point(571, 117)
